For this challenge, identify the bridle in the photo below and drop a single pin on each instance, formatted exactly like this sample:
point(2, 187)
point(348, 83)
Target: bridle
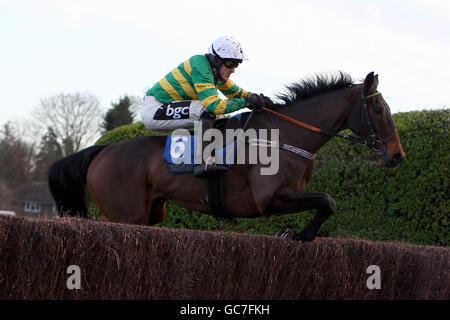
point(375, 144)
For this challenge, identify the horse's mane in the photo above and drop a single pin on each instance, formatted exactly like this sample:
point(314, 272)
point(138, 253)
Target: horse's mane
point(310, 87)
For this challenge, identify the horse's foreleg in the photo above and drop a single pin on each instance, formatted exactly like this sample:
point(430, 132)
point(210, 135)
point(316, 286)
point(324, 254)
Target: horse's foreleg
point(157, 211)
point(295, 201)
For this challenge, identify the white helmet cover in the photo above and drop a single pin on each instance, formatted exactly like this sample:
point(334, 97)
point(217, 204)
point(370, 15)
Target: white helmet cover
point(227, 48)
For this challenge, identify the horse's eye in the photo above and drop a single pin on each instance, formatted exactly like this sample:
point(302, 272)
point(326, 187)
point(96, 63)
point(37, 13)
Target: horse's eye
point(378, 110)
point(376, 101)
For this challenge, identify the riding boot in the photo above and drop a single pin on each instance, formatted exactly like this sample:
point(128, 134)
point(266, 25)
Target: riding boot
point(208, 166)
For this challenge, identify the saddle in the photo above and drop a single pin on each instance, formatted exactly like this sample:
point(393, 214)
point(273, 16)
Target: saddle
point(179, 150)
point(180, 156)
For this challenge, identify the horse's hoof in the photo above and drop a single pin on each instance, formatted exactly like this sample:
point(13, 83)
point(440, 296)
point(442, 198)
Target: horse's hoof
point(286, 234)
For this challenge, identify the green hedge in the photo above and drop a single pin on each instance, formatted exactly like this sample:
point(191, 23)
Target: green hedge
point(127, 132)
point(408, 203)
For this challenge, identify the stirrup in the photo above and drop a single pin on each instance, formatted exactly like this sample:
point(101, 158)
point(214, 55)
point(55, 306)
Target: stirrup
point(201, 169)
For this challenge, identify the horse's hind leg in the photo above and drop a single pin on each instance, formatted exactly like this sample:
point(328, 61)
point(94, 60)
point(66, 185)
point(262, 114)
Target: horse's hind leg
point(119, 200)
point(296, 201)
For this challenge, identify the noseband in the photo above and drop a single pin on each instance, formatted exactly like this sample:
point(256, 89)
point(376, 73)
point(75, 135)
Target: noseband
point(375, 144)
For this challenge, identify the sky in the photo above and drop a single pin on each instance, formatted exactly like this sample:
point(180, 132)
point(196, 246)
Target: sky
point(114, 48)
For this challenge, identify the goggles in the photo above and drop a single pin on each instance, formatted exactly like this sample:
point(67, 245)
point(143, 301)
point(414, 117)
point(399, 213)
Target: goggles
point(231, 63)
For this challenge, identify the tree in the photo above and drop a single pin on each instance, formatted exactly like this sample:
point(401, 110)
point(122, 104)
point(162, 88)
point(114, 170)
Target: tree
point(5, 195)
point(118, 115)
point(74, 119)
point(50, 151)
point(16, 155)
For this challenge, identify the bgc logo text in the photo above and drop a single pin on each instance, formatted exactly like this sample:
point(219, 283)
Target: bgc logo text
point(174, 110)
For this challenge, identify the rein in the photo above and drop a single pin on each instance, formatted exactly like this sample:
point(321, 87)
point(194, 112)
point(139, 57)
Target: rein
point(376, 145)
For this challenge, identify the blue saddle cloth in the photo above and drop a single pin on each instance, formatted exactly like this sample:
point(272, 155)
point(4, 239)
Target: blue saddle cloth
point(179, 152)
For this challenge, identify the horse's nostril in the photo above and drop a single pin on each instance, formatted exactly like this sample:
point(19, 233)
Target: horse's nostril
point(397, 157)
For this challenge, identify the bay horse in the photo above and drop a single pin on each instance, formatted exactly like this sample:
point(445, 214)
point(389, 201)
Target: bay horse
point(130, 181)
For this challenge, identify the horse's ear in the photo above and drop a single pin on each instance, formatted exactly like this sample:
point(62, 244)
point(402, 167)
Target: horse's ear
point(368, 82)
point(375, 81)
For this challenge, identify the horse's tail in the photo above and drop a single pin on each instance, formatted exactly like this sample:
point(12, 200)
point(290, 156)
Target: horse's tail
point(67, 181)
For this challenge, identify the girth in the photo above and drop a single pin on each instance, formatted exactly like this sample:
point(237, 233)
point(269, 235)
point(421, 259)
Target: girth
point(214, 203)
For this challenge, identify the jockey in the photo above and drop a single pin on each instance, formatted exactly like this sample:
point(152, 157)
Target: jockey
point(189, 93)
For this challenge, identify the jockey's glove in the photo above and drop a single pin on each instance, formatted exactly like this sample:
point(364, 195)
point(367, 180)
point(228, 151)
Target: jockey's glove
point(254, 101)
point(267, 100)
